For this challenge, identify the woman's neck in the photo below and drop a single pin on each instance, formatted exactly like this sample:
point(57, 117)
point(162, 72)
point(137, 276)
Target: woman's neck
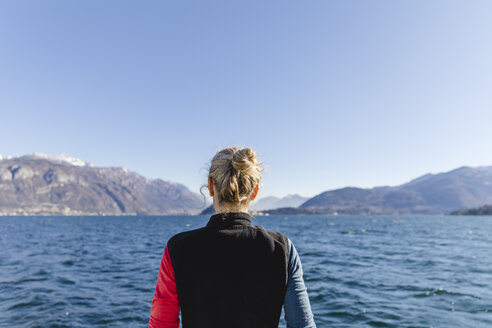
point(230, 207)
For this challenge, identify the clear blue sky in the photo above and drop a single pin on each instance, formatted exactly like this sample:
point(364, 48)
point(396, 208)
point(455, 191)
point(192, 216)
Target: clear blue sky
point(329, 93)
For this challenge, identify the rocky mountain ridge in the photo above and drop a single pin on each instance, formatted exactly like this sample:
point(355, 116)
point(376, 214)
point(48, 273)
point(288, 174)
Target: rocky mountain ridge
point(440, 193)
point(39, 184)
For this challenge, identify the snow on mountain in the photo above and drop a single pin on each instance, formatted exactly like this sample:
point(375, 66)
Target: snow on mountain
point(61, 158)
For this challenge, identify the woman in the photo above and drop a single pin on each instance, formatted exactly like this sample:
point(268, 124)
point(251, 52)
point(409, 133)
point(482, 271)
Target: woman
point(230, 273)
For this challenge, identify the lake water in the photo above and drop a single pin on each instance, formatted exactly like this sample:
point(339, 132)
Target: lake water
point(361, 271)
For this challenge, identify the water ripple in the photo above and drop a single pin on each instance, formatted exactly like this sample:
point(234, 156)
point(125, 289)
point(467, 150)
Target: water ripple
point(360, 271)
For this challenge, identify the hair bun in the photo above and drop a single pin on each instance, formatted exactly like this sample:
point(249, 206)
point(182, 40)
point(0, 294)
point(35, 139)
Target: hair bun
point(243, 159)
point(235, 172)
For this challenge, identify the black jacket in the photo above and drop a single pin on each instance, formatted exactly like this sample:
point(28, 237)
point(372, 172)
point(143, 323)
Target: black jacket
point(230, 273)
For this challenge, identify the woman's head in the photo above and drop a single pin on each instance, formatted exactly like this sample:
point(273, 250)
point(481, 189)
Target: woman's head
point(236, 175)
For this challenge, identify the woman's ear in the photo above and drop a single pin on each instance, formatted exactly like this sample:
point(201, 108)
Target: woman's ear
point(211, 187)
point(255, 192)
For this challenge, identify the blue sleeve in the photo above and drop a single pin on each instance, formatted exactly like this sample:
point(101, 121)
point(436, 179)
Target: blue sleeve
point(297, 309)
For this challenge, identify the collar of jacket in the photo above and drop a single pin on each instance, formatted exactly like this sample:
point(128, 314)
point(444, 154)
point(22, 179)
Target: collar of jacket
point(229, 220)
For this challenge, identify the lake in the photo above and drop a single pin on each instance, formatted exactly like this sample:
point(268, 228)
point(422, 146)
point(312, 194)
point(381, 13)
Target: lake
point(361, 271)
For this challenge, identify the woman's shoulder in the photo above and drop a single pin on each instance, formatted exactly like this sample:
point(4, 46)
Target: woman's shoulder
point(275, 234)
point(182, 237)
point(278, 237)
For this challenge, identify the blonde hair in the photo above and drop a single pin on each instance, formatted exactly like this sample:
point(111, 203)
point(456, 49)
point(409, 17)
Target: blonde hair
point(235, 172)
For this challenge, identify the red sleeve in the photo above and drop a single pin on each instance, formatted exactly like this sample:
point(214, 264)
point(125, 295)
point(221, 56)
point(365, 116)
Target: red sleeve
point(165, 305)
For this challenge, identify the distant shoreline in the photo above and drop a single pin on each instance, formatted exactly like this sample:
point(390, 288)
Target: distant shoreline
point(253, 214)
point(479, 211)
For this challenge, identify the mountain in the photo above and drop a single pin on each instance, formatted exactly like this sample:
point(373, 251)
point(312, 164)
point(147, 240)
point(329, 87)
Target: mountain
point(440, 193)
point(40, 184)
point(272, 202)
point(268, 203)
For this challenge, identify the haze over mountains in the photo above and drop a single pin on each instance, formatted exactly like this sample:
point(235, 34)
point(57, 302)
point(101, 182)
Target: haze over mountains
point(268, 203)
point(272, 202)
point(39, 184)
